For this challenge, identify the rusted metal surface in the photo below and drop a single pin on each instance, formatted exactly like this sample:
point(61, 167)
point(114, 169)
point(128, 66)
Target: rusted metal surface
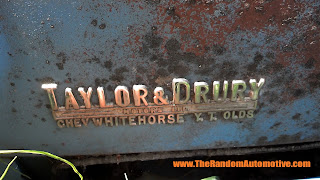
point(111, 43)
point(119, 158)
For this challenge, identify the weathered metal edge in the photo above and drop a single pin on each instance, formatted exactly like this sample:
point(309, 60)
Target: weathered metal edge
point(119, 158)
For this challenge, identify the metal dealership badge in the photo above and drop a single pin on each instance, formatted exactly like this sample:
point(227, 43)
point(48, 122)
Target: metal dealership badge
point(236, 105)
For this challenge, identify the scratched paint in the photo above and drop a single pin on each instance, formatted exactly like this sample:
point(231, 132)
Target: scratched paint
point(110, 43)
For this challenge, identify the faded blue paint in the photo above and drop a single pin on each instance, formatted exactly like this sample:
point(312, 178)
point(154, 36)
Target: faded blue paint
point(36, 49)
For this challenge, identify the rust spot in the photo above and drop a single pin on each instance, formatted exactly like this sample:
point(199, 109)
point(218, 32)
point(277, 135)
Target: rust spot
point(94, 22)
point(313, 80)
point(48, 106)
point(102, 26)
point(95, 59)
point(152, 2)
point(69, 80)
point(109, 88)
point(297, 116)
point(62, 57)
point(272, 111)
point(38, 105)
point(45, 80)
point(262, 140)
point(172, 45)
point(298, 92)
point(118, 74)
point(152, 40)
point(99, 82)
point(218, 50)
point(275, 125)
point(279, 140)
point(315, 125)
point(108, 64)
point(310, 63)
point(286, 139)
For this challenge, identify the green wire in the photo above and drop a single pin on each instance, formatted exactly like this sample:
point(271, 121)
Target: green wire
point(40, 153)
point(6, 170)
